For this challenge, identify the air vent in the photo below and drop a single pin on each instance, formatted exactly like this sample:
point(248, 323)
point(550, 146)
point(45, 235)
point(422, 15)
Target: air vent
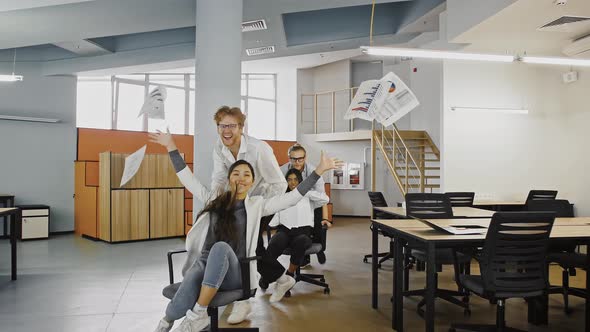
point(565, 24)
point(260, 50)
point(254, 25)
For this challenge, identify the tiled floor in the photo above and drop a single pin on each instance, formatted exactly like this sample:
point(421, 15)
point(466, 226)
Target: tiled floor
point(69, 283)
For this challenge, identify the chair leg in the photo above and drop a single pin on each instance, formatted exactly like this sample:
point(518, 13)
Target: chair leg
point(500, 316)
point(213, 314)
point(565, 279)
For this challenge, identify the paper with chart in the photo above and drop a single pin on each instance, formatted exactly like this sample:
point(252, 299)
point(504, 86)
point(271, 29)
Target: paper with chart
point(154, 104)
point(132, 163)
point(385, 100)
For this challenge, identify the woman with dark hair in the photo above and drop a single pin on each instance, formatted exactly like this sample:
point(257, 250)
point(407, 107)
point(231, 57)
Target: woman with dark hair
point(295, 227)
point(225, 230)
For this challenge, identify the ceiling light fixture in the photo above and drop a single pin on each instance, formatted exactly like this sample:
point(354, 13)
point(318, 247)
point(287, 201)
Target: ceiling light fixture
point(431, 54)
point(555, 61)
point(12, 78)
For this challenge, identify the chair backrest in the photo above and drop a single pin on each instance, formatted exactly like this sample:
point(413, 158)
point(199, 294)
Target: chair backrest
point(535, 195)
point(428, 206)
point(377, 200)
point(461, 198)
point(514, 256)
point(561, 207)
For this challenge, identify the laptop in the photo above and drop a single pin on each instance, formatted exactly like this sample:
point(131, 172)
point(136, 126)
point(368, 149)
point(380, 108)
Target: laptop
point(456, 229)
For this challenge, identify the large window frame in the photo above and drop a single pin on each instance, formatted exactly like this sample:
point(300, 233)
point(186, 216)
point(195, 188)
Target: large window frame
point(244, 98)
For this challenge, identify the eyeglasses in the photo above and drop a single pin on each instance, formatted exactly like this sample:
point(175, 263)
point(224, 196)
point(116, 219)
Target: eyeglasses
point(222, 126)
point(299, 160)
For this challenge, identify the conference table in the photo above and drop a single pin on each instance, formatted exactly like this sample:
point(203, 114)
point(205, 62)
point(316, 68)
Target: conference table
point(15, 217)
point(458, 212)
point(416, 234)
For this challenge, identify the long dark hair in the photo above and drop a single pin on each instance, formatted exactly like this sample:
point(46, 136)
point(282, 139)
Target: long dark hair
point(297, 174)
point(223, 207)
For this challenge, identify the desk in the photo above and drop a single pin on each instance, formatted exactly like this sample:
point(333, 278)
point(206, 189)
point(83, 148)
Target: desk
point(459, 212)
point(417, 234)
point(15, 216)
point(7, 200)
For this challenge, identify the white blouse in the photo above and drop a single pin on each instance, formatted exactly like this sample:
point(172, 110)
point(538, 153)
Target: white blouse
point(301, 214)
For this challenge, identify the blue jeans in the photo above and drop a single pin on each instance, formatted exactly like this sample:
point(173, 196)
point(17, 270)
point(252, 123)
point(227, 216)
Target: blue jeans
point(220, 270)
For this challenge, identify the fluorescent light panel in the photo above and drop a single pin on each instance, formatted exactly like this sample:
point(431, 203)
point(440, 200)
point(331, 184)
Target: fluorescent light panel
point(430, 54)
point(555, 61)
point(11, 78)
point(28, 119)
point(491, 109)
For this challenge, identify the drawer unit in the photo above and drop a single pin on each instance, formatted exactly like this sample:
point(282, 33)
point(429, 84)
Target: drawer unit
point(35, 222)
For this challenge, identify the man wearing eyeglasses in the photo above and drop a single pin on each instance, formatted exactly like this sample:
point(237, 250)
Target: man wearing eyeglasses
point(298, 160)
point(234, 145)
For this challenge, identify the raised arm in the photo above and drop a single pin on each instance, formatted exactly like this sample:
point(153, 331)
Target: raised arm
point(284, 201)
point(219, 176)
point(186, 177)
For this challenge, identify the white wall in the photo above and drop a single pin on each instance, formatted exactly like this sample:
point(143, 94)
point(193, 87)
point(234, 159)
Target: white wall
point(503, 156)
point(37, 163)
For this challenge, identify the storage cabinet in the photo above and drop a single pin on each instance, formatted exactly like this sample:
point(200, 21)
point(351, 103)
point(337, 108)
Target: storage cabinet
point(35, 222)
point(149, 206)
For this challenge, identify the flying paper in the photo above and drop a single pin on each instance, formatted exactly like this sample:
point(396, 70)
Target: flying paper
point(385, 100)
point(154, 104)
point(132, 163)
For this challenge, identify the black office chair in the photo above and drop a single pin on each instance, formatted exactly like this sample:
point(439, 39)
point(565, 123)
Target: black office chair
point(377, 200)
point(317, 246)
point(562, 253)
point(513, 263)
point(461, 198)
point(438, 206)
point(535, 195)
point(222, 298)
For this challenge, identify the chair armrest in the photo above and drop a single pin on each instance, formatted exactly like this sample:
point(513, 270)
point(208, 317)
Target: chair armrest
point(245, 270)
point(170, 263)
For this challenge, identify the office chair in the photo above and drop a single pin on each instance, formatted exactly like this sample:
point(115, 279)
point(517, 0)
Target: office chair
point(513, 263)
point(562, 253)
point(535, 195)
point(461, 198)
point(438, 206)
point(222, 298)
point(377, 200)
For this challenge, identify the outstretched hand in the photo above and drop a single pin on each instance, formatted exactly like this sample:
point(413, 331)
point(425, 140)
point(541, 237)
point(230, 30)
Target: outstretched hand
point(164, 139)
point(327, 163)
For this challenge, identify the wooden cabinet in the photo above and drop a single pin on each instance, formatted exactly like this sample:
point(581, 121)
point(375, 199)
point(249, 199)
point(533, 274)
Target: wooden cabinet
point(129, 213)
point(166, 213)
point(149, 206)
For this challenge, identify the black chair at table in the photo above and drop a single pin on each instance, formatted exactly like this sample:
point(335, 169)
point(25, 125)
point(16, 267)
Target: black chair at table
point(540, 195)
point(438, 206)
point(563, 254)
point(377, 200)
point(222, 298)
point(461, 198)
point(513, 263)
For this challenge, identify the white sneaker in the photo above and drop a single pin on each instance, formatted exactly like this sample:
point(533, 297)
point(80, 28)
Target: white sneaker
point(239, 312)
point(281, 288)
point(193, 322)
point(163, 326)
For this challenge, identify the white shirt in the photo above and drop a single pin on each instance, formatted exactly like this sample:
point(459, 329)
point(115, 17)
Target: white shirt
point(268, 179)
point(307, 169)
point(301, 214)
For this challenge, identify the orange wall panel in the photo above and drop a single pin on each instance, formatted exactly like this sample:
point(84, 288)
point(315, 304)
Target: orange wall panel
point(280, 149)
point(91, 173)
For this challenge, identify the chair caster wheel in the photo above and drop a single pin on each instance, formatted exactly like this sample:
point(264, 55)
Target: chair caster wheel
point(288, 293)
point(327, 291)
point(323, 280)
point(365, 260)
point(467, 313)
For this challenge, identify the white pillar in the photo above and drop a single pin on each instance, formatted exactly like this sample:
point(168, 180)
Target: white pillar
point(218, 50)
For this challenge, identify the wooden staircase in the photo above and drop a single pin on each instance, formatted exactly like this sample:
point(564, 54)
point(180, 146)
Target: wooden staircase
point(411, 156)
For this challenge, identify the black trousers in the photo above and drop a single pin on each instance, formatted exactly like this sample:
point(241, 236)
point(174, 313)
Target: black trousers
point(297, 239)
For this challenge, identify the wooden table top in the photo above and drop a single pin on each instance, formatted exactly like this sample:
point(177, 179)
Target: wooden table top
point(468, 212)
point(497, 202)
point(4, 211)
point(562, 228)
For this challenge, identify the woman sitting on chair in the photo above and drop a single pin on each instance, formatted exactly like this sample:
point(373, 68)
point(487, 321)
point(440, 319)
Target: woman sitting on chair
point(225, 230)
point(295, 227)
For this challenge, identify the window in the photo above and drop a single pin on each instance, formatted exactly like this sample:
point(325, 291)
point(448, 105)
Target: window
point(260, 105)
point(115, 102)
